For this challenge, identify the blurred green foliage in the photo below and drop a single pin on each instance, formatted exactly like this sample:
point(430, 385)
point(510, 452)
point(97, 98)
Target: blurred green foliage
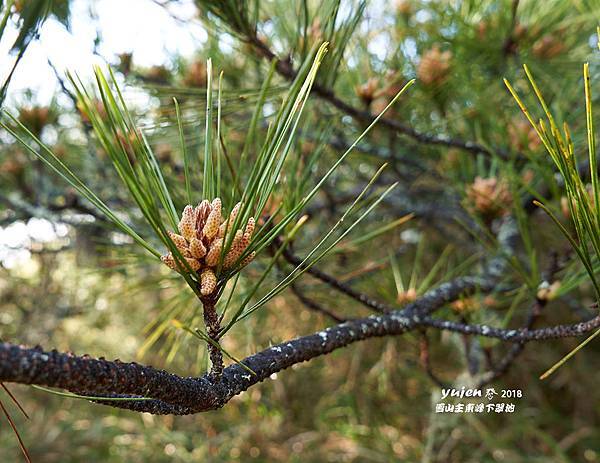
point(90, 290)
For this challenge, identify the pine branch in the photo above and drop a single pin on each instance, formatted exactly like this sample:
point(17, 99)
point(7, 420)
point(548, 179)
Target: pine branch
point(185, 395)
point(534, 313)
point(172, 394)
point(315, 306)
point(492, 271)
point(364, 299)
point(284, 68)
point(178, 395)
point(425, 360)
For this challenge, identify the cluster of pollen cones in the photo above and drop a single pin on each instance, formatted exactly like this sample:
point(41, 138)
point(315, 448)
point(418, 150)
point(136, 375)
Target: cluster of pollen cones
point(202, 235)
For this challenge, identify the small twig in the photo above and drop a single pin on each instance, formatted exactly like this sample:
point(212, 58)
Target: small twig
point(314, 306)
point(212, 323)
point(338, 285)
point(284, 68)
point(64, 87)
point(533, 315)
point(426, 361)
point(16, 431)
point(15, 401)
point(509, 46)
point(513, 335)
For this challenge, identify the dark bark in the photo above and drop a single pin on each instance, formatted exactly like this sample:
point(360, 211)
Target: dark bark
point(171, 394)
point(285, 69)
point(185, 395)
point(212, 323)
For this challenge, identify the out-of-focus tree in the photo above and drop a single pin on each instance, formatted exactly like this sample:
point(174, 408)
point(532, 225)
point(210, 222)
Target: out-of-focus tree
point(355, 170)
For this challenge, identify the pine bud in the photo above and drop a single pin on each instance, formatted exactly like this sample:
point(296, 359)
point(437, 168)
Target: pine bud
point(169, 261)
point(211, 228)
point(244, 242)
point(547, 292)
point(212, 258)
point(228, 224)
point(250, 227)
point(193, 263)
point(208, 282)
point(185, 252)
point(197, 249)
point(179, 240)
point(549, 46)
point(222, 228)
point(234, 213)
point(201, 241)
point(187, 224)
point(202, 210)
point(249, 258)
point(235, 251)
point(434, 67)
point(490, 197)
point(195, 75)
point(367, 91)
point(181, 244)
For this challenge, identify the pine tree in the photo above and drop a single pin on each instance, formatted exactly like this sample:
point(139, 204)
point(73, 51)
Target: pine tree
point(421, 172)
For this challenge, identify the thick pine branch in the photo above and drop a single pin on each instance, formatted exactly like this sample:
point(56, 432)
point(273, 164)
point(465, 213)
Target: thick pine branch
point(191, 395)
point(285, 69)
point(173, 394)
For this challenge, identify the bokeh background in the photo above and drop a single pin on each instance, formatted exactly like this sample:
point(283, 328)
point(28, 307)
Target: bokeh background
point(69, 281)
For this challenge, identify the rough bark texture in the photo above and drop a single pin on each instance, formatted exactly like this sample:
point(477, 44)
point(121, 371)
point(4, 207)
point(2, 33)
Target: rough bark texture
point(211, 321)
point(172, 394)
point(190, 395)
point(185, 395)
